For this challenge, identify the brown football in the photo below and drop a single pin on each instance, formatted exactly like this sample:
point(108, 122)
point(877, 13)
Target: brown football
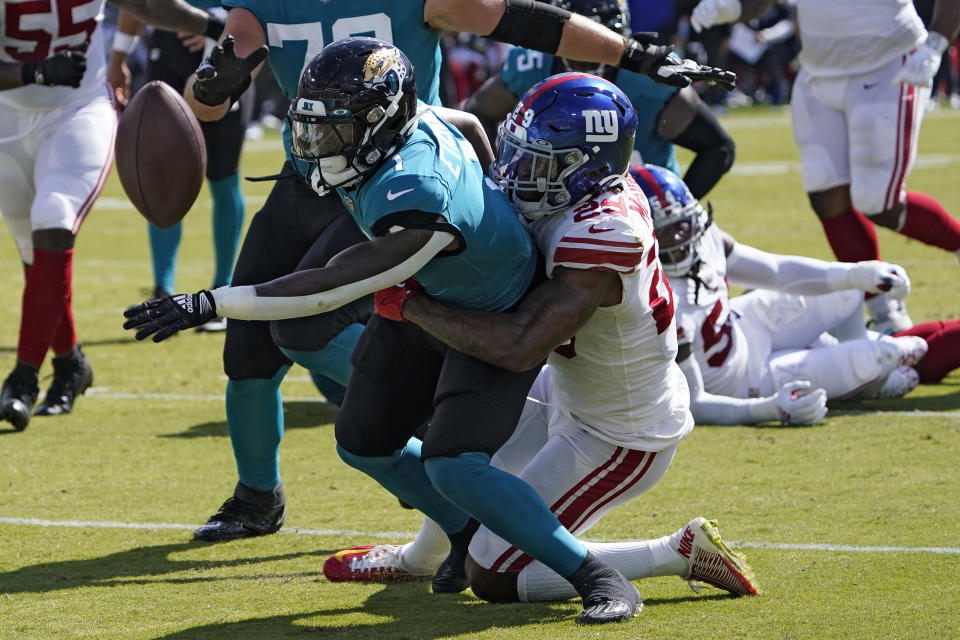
point(160, 155)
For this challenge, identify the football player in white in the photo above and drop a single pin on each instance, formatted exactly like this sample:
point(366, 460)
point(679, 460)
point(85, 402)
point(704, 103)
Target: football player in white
point(56, 150)
point(857, 104)
point(766, 355)
point(604, 417)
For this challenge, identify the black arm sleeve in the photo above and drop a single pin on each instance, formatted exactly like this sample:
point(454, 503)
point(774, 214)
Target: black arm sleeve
point(714, 147)
point(414, 219)
point(532, 25)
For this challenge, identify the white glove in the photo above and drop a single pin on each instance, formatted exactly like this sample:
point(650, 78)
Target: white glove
point(922, 63)
point(711, 12)
point(799, 403)
point(874, 276)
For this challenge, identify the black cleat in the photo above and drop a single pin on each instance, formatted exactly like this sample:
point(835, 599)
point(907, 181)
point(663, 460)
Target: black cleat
point(451, 577)
point(19, 392)
point(607, 595)
point(247, 513)
point(72, 376)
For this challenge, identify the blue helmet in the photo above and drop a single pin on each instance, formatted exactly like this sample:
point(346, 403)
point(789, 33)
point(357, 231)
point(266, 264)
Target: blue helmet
point(679, 221)
point(570, 136)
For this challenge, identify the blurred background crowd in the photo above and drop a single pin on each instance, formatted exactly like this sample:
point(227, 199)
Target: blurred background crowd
point(762, 52)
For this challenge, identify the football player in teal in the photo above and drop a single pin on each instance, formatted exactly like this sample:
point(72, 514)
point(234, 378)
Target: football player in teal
point(665, 114)
point(294, 231)
point(413, 184)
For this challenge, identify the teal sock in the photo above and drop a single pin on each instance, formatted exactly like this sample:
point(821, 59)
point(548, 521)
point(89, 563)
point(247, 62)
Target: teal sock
point(402, 474)
point(508, 506)
point(255, 422)
point(333, 361)
point(227, 225)
point(163, 251)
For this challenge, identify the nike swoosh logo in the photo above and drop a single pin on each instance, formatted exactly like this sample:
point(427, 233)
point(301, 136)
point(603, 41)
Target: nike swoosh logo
point(393, 196)
point(594, 229)
point(871, 85)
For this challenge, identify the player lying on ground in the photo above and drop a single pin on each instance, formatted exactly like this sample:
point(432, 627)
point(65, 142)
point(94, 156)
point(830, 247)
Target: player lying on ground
point(766, 355)
point(604, 417)
point(665, 114)
point(413, 184)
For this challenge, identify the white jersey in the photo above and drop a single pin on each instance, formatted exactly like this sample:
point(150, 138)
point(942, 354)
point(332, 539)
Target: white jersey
point(705, 321)
point(34, 31)
point(617, 376)
point(849, 37)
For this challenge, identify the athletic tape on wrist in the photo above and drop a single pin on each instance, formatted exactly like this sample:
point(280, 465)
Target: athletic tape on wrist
point(124, 42)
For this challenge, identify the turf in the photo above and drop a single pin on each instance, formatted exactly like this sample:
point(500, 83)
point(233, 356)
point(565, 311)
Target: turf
point(876, 484)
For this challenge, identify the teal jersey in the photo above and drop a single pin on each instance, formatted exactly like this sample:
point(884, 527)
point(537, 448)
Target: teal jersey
point(297, 30)
point(204, 4)
point(524, 68)
point(436, 172)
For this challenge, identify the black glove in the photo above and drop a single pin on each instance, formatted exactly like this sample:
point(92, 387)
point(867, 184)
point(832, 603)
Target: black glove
point(223, 75)
point(65, 68)
point(166, 316)
point(662, 65)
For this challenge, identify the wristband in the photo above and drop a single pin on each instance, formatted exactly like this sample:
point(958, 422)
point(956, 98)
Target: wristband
point(532, 25)
point(125, 43)
point(213, 28)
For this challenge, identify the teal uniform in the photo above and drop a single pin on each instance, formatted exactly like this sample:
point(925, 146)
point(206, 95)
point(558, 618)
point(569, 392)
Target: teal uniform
point(436, 171)
point(524, 68)
point(297, 31)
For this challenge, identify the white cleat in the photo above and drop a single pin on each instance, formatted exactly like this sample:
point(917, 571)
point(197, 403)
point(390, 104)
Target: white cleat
point(910, 349)
point(899, 383)
point(712, 562)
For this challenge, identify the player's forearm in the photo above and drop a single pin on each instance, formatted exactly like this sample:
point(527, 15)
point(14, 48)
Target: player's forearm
point(713, 409)
point(125, 39)
point(946, 19)
point(204, 112)
point(752, 268)
point(11, 75)
point(173, 15)
point(353, 273)
point(495, 338)
point(472, 129)
point(580, 38)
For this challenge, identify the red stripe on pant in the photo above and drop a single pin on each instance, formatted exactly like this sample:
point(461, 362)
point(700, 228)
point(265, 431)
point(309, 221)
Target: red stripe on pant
point(601, 486)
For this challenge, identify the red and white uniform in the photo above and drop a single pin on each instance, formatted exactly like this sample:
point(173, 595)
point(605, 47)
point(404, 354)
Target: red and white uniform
point(851, 125)
point(705, 321)
point(752, 345)
point(603, 419)
point(56, 143)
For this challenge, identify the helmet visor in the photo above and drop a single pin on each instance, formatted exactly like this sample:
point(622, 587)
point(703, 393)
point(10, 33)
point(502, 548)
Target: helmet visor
point(320, 139)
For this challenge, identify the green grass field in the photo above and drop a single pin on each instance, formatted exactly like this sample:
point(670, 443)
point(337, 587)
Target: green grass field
point(851, 525)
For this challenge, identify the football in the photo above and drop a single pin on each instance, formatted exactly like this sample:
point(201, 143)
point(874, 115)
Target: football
point(160, 154)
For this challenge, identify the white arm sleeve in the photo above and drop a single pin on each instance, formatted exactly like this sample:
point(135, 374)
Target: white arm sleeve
point(752, 268)
point(710, 409)
point(243, 303)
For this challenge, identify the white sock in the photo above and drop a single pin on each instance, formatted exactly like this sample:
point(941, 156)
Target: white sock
point(635, 560)
point(426, 553)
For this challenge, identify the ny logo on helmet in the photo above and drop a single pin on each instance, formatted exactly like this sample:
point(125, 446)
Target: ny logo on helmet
point(601, 124)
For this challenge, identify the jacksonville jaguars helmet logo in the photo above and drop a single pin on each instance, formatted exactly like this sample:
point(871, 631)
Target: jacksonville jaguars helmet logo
point(385, 67)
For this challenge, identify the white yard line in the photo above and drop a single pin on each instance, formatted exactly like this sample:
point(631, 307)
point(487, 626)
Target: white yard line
point(404, 535)
point(108, 394)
